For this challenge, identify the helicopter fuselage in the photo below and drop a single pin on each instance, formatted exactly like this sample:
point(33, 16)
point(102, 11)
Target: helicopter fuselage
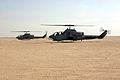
point(29, 36)
point(72, 34)
point(68, 34)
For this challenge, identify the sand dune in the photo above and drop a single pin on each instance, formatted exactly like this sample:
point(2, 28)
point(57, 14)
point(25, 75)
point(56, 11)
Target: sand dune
point(43, 59)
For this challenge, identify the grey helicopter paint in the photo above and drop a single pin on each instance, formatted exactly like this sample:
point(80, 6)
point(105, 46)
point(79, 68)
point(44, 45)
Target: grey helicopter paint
point(28, 36)
point(72, 34)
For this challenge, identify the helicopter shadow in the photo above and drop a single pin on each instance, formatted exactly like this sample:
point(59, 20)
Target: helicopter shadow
point(59, 42)
point(90, 42)
point(75, 42)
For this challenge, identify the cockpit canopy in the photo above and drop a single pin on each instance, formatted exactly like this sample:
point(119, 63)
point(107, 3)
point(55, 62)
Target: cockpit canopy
point(57, 33)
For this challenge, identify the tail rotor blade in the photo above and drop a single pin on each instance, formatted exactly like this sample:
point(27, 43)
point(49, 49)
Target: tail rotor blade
point(108, 31)
point(101, 29)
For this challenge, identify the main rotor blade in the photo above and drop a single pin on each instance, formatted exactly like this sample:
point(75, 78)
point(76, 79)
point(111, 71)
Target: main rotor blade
point(20, 31)
point(55, 25)
point(109, 31)
point(35, 31)
point(85, 25)
point(66, 25)
point(26, 31)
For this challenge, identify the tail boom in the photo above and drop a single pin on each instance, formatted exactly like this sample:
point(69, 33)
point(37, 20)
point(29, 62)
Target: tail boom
point(103, 35)
point(88, 37)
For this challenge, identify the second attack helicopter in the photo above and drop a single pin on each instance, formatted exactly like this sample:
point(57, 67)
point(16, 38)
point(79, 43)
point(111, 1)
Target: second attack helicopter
point(72, 34)
point(28, 36)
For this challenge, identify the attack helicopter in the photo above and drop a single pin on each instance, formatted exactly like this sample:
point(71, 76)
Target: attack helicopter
point(28, 36)
point(72, 34)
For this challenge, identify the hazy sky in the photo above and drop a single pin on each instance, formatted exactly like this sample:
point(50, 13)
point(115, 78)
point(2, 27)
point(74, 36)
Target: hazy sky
point(29, 14)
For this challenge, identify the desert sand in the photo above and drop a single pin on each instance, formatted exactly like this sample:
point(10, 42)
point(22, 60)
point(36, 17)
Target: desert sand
point(43, 59)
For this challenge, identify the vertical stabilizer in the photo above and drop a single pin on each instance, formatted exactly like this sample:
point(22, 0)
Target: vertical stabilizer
point(103, 35)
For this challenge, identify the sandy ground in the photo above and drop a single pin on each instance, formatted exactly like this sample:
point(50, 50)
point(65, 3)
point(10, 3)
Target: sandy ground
point(43, 59)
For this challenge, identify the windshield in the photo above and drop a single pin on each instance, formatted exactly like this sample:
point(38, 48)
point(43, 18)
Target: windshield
point(57, 33)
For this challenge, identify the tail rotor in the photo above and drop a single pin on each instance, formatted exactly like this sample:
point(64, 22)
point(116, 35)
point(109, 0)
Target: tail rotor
point(102, 30)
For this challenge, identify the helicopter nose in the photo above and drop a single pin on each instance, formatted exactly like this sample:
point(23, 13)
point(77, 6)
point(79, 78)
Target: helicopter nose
point(17, 37)
point(50, 36)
